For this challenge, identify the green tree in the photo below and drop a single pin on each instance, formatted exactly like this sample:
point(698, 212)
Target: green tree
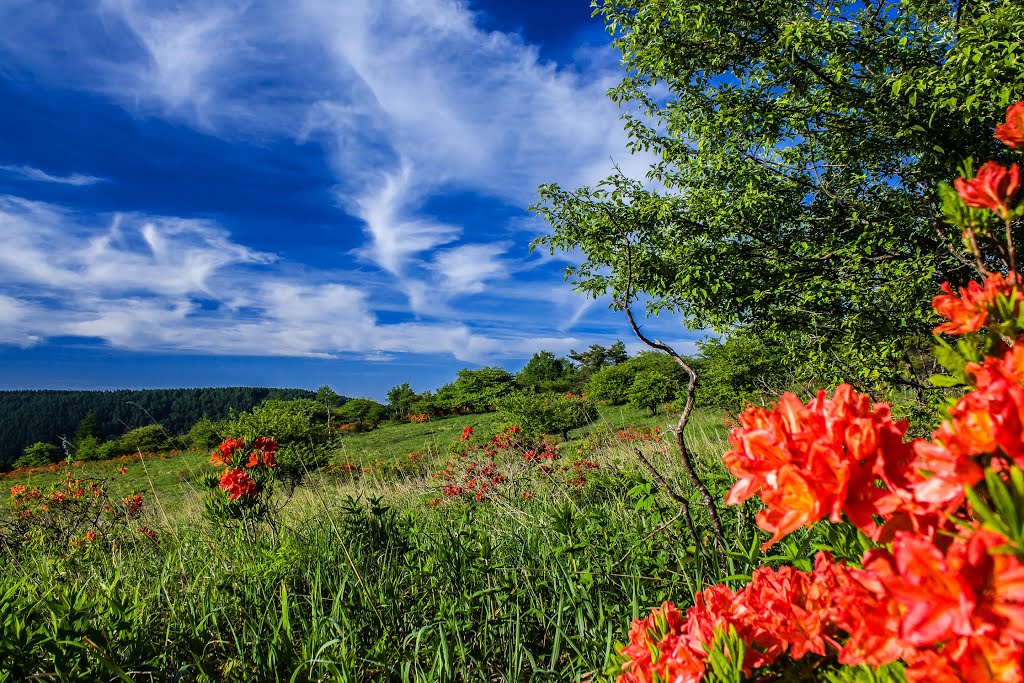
point(39, 454)
point(798, 148)
point(475, 391)
point(146, 439)
point(401, 398)
point(617, 353)
point(546, 372)
point(610, 385)
point(328, 398)
point(204, 434)
point(363, 412)
point(651, 389)
point(89, 427)
point(742, 369)
point(552, 413)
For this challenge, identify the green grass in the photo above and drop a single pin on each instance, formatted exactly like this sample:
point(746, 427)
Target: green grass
point(395, 442)
point(360, 578)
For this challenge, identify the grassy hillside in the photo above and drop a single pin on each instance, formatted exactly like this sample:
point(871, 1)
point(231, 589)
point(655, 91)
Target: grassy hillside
point(365, 575)
point(47, 415)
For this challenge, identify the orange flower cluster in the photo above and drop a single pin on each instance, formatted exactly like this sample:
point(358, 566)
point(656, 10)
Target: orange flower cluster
point(419, 417)
point(483, 471)
point(945, 596)
point(819, 460)
point(1011, 133)
point(634, 433)
point(975, 308)
point(133, 504)
point(992, 188)
point(955, 618)
point(237, 484)
point(223, 454)
point(779, 612)
point(245, 477)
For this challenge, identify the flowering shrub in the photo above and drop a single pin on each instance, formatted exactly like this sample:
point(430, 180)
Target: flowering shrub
point(509, 464)
point(942, 590)
point(71, 513)
point(243, 489)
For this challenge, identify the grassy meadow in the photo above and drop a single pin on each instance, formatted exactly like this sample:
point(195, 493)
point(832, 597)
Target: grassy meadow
point(366, 571)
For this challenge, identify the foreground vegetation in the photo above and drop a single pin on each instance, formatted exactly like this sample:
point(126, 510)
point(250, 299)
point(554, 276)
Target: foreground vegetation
point(358, 576)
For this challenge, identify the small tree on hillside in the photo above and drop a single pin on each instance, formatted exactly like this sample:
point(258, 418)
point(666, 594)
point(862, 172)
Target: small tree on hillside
point(145, 439)
point(39, 454)
point(651, 389)
point(548, 413)
point(475, 391)
point(363, 412)
point(610, 385)
point(546, 372)
point(401, 398)
point(89, 427)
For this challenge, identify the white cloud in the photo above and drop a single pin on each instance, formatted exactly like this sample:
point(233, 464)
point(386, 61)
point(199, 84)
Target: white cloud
point(468, 268)
point(14, 324)
point(174, 284)
point(409, 99)
point(74, 179)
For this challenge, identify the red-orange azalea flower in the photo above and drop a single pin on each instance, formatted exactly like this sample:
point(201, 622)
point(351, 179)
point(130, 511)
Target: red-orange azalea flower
point(993, 188)
point(974, 308)
point(222, 454)
point(1011, 133)
point(237, 483)
point(819, 460)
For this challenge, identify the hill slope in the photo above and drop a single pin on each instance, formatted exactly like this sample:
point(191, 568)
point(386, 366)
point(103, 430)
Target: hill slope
point(45, 415)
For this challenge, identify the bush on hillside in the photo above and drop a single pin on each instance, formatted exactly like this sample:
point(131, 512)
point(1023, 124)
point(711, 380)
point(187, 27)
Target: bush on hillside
point(651, 389)
point(545, 372)
point(474, 391)
point(548, 413)
point(204, 434)
point(39, 454)
point(145, 439)
point(610, 385)
point(362, 412)
point(300, 428)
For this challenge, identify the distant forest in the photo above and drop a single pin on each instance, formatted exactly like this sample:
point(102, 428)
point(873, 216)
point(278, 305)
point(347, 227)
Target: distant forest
point(45, 415)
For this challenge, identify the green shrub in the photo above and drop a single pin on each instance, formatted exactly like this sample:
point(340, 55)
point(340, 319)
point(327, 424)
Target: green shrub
point(548, 413)
point(475, 391)
point(146, 439)
point(610, 385)
point(86, 448)
point(39, 454)
point(111, 449)
point(300, 428)
point(545, 372)
point(363, 412)
point(651, 389)
point(204, 434)
point(741, 370)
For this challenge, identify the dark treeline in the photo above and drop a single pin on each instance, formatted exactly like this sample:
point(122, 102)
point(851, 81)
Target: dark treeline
point(45, 415)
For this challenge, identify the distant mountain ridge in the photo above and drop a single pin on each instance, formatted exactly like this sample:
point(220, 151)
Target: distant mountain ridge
point(28, 416)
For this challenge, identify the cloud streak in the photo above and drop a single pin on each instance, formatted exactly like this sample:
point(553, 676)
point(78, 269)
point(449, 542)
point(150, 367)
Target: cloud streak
point(161, 283)
point(409, 100)
point(30, 173)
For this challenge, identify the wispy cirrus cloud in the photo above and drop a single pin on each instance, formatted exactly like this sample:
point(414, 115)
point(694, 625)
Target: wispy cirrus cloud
point(411, 103)
point(30, 173)
point(183, 285)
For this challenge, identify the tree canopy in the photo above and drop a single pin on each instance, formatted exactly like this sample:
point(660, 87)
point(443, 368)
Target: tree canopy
point(797, 149)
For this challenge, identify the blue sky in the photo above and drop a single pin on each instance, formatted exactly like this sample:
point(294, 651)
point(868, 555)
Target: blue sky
point(294, 193)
